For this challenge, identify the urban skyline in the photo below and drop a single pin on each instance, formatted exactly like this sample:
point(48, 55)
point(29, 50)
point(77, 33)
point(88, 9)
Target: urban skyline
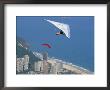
point(47, 66)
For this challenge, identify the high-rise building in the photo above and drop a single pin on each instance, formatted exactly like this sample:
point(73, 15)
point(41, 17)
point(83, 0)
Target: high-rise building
point(19, 64)
point(56, 68)
point(45, 67)
point(26, 62)
point(45, 56)
point(45, 64)
point(59, 67)
point(38, 66)
point(53, 69)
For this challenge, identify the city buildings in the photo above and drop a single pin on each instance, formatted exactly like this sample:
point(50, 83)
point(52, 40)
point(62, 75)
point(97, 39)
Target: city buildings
point(22, 64)
point(47, 66)
point(19, 64)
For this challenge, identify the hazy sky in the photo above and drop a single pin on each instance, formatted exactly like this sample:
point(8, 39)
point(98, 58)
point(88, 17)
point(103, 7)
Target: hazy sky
point(79, 49)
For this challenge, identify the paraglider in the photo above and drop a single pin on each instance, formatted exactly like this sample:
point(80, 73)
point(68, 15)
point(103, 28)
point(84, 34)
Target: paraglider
point(47, 45)
point(64, 28)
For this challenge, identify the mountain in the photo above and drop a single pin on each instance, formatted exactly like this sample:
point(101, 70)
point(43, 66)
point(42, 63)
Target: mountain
point(22, 42)
point(22, 48)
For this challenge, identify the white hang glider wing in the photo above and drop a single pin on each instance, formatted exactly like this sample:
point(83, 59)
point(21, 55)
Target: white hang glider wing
point(64, 27)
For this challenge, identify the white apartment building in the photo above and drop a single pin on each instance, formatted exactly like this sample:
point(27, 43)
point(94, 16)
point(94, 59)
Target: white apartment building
point(56, 68)
point(38, 66)
point(26, 62)
point(19, 64)
point(22, 63)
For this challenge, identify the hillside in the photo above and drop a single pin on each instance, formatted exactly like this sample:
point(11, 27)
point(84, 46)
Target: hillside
point(23, 49)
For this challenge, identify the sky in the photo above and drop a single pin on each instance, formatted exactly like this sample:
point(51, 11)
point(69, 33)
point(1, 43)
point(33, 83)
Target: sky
point(79, 49)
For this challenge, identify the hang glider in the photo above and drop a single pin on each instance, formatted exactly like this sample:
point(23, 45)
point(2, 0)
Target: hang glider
point(64, 28)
